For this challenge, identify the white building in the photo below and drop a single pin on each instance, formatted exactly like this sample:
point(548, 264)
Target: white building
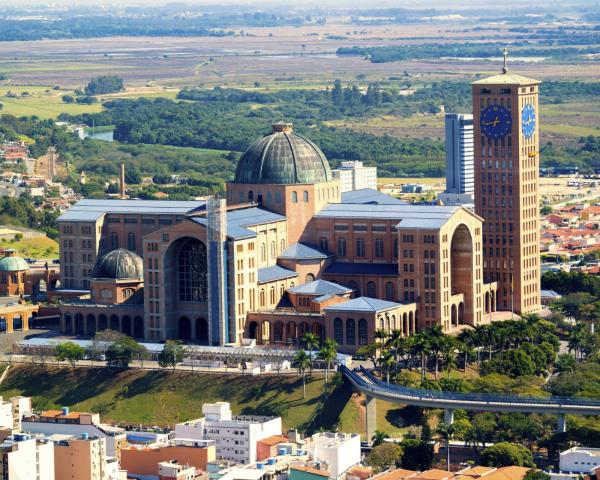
point(64, 422)
point(340, 451)
point(24, 457)
point(11, 412)
point(460, 164)
point(235, 437)
point(353, 175)
point(579, 460)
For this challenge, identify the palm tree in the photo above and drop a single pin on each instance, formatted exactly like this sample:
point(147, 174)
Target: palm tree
point(328, 353)
point(436, 343)
point(311, 342)
point(449, 355)
point(447, 431)
point(387, 363)
point(302, 361)
point(422, 349)
point(577, 338)
point(379, 437)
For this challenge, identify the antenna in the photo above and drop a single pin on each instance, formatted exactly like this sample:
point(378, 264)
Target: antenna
point(505, 67)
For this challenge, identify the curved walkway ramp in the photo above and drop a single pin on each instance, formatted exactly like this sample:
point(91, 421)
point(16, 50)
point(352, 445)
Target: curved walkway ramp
point(373, 388)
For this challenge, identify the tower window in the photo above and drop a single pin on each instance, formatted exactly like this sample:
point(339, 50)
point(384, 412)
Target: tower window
point(485, 91)
point(505, 91)
point(295, 197)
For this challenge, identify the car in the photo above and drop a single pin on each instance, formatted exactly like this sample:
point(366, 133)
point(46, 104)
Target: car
point(31, 260)
point(56, 261)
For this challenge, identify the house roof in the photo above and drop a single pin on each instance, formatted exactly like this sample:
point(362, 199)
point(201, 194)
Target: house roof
point(508, 473)
point(239, 220)
point(363, 304)
point(270, 274)
point(303, 251)
point(320, 288)
point(273, 440)
point(398, 474)
point(307, 469)
point(434, 474)
point(347, 268)
point(370, 196)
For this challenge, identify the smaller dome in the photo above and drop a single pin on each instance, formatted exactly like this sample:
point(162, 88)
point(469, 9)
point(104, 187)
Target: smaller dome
point(12, 263)
point(119, 264)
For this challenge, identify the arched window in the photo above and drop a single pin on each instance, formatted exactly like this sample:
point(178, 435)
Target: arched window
point(114, 240)
point(379, 247)
point(263, 252)
point(192, 272)
point(269, 197)
point(360, 247)
point(395, 248)
point(426, 253)
point(131, 241)
point(323, 243)
point(371, 290)
point(273, 252)
point(295, 197)
point(350, 332)
point(390, 293)
point(272, 295)
point(278, 196)
point(338, 331)
point(341, 247)
point(241, 197)
point(262, 297)
point(432, 254)
point(353, 285)
point(363, 332)
point(250, 196)
point(281, 245)
point(309, 278)
point(305, 196)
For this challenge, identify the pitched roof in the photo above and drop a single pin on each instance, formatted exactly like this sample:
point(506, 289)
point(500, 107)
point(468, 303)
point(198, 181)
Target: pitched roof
point(320, 288)
point(303, 251)
point(508, 473)
point(434, 474)
point(308, 469)
point(363, 304)
point(270, 274)
point(398, 474)
point(273, 440)
point(239, 220)
point(370, 196)
point(347, 268)
point(506, 79)
point(91, 209)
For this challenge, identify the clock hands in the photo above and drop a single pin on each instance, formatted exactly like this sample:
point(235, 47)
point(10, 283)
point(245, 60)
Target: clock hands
point(494, 123)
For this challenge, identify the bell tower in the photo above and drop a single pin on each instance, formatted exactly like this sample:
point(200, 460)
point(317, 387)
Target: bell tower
point(506, 144)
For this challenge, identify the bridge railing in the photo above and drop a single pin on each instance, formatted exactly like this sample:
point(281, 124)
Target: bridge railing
point(382, 387)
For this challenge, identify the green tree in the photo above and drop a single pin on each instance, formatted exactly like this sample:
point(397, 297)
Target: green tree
point(104, 84)
point(311, 342)
point(171, 354)
point(417, 454)
point(69, 351)
point(504, 454)
point(328, 354)
point(534, 474)
point(446, 431)
point(379, 437)
point(122, 352)
point(384, 456)
point(302, 361)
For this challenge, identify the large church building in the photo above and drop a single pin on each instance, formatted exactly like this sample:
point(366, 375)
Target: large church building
point(286, 252)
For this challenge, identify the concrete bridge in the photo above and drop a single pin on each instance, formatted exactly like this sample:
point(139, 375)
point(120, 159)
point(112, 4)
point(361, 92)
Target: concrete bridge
point(374, 388)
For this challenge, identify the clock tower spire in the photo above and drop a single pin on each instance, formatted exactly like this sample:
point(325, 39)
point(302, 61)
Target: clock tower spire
point(506, 150)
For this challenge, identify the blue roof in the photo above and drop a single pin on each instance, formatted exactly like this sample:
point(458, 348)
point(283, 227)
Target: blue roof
point(270, 274)
point(370, 196)
point(320, 288)
point(363, 304)
point(302, 251)
point(92, 209)
point(238, 220)
point(413, 216)
point(550, 293)
point(347, 268)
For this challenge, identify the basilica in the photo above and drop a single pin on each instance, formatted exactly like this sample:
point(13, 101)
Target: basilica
point(285, 252)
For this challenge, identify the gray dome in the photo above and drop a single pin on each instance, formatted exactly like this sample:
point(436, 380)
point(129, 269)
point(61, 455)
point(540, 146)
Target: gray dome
point(283, 157)
point(119, 264)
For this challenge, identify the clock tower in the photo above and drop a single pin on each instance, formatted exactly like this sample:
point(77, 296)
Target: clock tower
point(506, 147)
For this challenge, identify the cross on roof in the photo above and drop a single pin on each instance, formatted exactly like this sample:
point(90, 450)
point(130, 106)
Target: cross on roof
point(505, 54)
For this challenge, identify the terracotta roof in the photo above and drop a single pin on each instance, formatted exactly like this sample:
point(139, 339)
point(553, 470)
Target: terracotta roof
point(508, 473)
point(434, 474)
point(59, 414)
point(273, 440)
point(397, 474)
point(312, 470)
point(476, 471)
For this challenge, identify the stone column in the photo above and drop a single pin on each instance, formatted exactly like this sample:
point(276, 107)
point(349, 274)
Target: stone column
point(448, 416)
point(561, 423)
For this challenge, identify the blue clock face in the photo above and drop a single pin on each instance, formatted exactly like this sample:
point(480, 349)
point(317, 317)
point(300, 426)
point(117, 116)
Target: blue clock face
point(528, 120)
point(495, 121)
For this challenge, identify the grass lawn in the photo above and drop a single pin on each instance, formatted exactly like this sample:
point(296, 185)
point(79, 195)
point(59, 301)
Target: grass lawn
point(39, 247)
point(41, 101)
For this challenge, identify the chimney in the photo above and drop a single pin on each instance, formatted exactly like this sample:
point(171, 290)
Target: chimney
point(122, 180)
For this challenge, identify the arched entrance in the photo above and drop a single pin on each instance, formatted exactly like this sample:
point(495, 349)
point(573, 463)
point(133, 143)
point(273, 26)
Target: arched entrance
point(126, 325)
point(102, 323)
point(68, 324)
point(253, 330)
point(114, 323)
point(90, 325)
point(291, 332)
point(184, 329)
point(138, 327)
point(461, 264)
point(78, 324)
point(202, 331)
point(278, 331)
